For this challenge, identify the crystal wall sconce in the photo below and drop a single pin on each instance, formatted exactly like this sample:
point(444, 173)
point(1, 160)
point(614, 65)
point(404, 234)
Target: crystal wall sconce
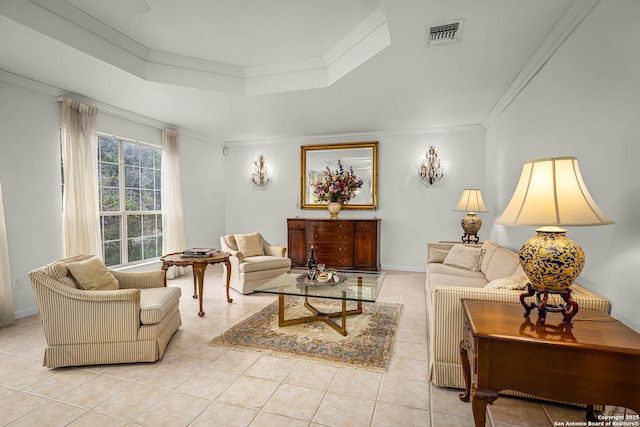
point(431, 169)
point(259, 174)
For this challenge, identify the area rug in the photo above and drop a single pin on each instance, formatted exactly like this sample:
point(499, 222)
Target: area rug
point(368, 343)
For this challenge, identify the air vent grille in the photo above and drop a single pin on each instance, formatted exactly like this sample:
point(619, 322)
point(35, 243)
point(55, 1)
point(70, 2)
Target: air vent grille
point(444, 33)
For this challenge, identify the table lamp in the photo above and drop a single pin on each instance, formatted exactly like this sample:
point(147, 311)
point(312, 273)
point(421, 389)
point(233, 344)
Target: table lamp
point(551, 194)
point(471, 202)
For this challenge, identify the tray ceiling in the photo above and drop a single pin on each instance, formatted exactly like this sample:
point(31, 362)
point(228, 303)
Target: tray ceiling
point(241, 70)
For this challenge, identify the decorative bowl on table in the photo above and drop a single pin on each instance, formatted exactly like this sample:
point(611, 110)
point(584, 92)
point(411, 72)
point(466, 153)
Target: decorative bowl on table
point(321, 280)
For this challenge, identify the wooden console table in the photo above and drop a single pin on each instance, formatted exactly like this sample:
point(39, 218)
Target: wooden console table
point(595, 362)
point(343, 244)
point(199, 265)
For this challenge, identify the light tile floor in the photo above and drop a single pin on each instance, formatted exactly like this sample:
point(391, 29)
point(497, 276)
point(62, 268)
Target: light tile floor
point(200, 385)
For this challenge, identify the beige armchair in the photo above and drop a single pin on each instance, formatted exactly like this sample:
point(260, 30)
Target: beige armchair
point(254, 261)
point(131, 323)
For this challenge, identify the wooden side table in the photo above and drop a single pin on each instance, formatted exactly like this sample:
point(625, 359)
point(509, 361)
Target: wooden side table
point(595, 362)
point(199, 265)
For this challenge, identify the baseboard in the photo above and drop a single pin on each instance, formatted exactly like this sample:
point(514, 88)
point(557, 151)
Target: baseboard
point(26, 312)
point(404, 268)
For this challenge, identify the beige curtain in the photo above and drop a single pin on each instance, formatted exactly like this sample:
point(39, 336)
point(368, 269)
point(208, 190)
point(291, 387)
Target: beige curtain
point(6, 292)
point(173, 236)
point(81, 214)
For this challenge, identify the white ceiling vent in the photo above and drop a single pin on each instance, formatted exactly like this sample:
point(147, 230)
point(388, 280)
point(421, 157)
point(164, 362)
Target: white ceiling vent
point(444, 33)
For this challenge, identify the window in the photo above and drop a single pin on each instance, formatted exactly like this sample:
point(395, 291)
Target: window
point(130, 210)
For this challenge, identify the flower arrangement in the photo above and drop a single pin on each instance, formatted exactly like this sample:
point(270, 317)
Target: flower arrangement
point(336, 186)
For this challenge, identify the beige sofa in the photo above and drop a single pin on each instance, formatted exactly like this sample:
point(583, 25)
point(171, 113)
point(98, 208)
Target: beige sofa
point(132, 323)
point(446, 285)
point(254, 261)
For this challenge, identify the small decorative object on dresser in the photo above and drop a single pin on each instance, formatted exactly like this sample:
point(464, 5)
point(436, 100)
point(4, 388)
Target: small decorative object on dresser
point(344, 244)
point(334, 209)
point(336, 188)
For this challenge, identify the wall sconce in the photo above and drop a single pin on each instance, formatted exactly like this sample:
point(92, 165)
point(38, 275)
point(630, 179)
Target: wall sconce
point(431, 170)
point(259, 175)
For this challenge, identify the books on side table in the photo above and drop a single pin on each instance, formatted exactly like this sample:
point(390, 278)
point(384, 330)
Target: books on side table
point(199, 252)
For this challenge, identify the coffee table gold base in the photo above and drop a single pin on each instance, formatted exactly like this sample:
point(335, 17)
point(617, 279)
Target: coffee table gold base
point(318, 315)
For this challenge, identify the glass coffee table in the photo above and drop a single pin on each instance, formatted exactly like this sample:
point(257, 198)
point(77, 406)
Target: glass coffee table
point(355, 286)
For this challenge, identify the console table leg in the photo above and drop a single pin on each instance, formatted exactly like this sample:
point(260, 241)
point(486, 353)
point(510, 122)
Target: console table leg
point(199, 275)
point(195, 282)
point(466, 373)
point(228, 265)
point(479, 402)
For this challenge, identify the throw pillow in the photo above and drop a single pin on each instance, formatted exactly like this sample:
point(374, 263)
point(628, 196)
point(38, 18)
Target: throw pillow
point(465, 257)
point(93, 275)
point(437, 255)
point(250, 244)
point(518, 282)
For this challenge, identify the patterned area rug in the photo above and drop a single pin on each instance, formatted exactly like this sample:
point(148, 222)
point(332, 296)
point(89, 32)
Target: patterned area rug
point(368, 343)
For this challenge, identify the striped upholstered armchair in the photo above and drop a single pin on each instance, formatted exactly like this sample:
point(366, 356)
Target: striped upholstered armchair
point(132, 321)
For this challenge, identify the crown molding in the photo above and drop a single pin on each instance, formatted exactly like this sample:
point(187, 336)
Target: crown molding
point(76, 16)
point(359, 136)
point(68, 24)
point(102, 107)
point(26, 83)
point(361, 32)
point(568, 22)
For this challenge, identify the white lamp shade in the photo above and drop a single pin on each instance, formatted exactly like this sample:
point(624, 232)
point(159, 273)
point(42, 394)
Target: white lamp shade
point(551, 192)
point(471, 201)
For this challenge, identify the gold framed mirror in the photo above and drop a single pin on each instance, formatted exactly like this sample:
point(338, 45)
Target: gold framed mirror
point(361, 156)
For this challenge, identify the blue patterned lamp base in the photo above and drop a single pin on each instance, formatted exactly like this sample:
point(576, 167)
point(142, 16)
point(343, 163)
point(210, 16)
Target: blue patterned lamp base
point(551, 260)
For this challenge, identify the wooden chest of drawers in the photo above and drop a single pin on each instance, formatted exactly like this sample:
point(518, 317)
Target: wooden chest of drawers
point(347, 244)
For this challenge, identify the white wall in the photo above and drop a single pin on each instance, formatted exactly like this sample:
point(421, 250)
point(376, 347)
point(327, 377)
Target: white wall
point(585, 102)
point(412, 214)
point(31, 181)
point(31, 184)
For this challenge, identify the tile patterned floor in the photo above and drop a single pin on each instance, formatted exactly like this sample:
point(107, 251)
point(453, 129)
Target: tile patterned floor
point(200, 385)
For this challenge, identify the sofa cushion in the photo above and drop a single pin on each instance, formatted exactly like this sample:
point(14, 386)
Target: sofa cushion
point(265, 262)
point(515, 282)
point(503, 263)
point(250, 244)
point(465, 257)
point(489, 249)
point(435, 268)
point(92, 275)
point(437, 255)
point(439, 279)
point(155, 303)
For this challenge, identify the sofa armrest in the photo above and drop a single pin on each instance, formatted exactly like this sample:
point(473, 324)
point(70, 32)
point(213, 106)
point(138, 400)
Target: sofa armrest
point(273, 250)
point(72, 316)
point(446, 317)
point(236, 254)
point(139, 280)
